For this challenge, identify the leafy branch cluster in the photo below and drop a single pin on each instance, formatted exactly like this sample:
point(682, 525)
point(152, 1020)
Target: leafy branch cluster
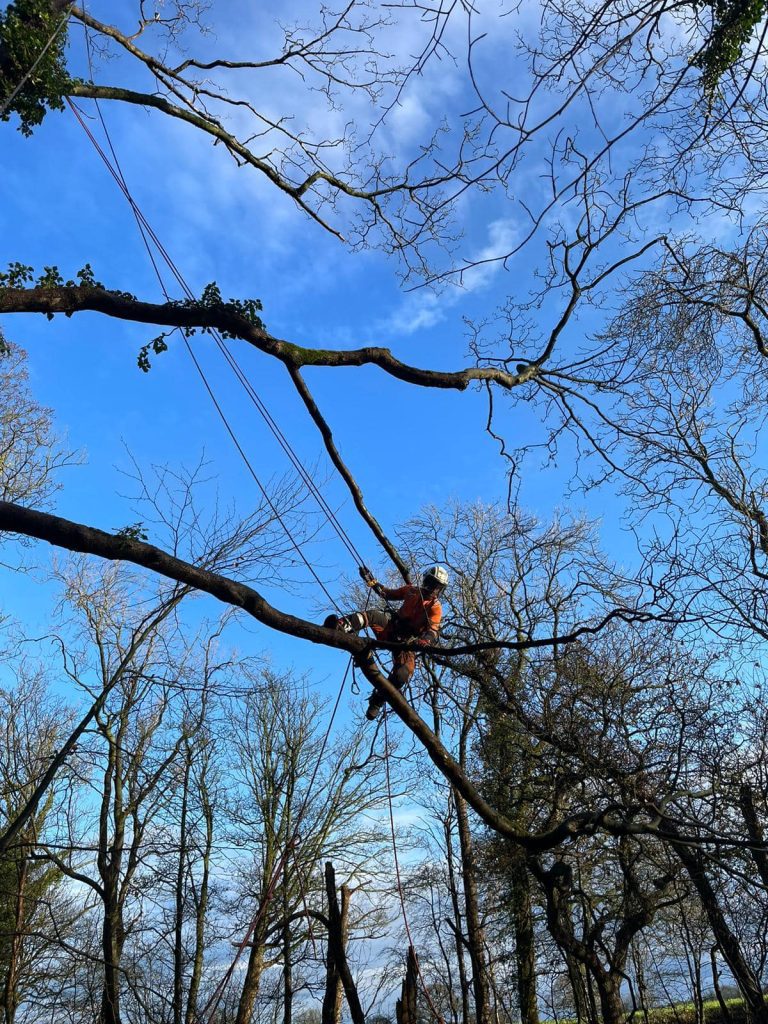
point(246, 309)
point(733, 24)
point(26, 27)
point(135, 531)
point(18, 275)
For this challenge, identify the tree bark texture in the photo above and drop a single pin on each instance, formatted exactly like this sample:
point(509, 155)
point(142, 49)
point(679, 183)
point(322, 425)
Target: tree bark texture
point(334, 990)
point(287, 955)
point(253, 971)
point(178, 945)
point(724, 1008)
point(337, 948)
point(406, 1010)
point(201, 908)
point(525, 941)
point(10, 992)
point(754, 831)
point(458, 930)
point(475, 935)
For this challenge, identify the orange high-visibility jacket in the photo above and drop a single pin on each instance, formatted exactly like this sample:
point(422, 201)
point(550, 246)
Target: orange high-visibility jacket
point(416, 615)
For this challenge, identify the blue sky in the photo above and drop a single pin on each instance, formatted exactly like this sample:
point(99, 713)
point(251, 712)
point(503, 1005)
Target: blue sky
point(407, 447)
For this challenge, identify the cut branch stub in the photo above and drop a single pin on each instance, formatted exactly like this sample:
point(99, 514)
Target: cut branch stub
point(337, 952)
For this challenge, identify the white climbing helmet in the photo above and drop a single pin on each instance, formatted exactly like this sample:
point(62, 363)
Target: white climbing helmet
point(435, 578)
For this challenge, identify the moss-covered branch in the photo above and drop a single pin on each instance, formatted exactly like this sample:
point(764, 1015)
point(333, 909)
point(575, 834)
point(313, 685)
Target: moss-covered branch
point(229, 319)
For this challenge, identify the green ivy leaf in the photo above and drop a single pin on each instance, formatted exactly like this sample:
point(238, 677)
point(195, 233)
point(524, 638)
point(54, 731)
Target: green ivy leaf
point(135, 531)
point(26, 27)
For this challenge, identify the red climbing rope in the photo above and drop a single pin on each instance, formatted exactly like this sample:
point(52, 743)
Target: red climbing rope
point(427, 996)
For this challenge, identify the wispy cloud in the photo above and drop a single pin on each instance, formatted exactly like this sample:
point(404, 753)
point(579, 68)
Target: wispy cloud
point(424, 309)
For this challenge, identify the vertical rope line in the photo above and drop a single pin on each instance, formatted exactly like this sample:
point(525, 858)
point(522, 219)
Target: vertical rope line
point(428, 997)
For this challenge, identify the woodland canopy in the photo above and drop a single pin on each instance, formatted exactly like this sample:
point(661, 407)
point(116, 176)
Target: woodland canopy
point(503, 266)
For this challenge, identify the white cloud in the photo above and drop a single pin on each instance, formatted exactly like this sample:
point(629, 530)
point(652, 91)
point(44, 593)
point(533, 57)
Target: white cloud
point(417, 311)
point(503, 236)
point(424, 309)
point(410, 120)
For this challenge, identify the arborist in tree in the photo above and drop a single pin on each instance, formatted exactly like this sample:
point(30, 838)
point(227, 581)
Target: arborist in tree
point(416, 621)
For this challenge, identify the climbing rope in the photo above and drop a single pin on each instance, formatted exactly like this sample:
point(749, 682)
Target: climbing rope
point(144, 226)
point(427, 996)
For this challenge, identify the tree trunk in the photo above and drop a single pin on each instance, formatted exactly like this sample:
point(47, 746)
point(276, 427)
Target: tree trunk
point(611, 1006)
point(10, 993)
point(475, 936)
point(724, 1008)
point(178, 945)
point(110, 995)
point(287, 964)
point(642, 985)
point(406, 1010)
point(457, 930)
point(109, 862)
point(698, 993)
point(201, 910)
point(332, 999)
point(589, 987)
point(754, 830)
point(331, 1011)
point(525, 947)
point(743, 974)
point(255, 966)
point(253, 972)
point(583, 1004)
point(693, 960)
point(337, 946)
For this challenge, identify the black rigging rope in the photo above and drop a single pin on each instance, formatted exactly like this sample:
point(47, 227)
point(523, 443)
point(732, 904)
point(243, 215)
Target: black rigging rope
point(146, 229)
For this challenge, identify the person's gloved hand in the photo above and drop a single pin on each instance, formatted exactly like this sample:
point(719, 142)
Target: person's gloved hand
point(368, 578)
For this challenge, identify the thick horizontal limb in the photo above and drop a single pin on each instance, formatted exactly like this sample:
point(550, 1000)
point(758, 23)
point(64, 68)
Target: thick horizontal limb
point(65, 533)
point(69, 300)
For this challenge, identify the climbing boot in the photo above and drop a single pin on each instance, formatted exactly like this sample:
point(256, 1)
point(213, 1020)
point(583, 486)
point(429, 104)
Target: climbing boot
point(351, 623)
point(338, 622)
point(372, 711)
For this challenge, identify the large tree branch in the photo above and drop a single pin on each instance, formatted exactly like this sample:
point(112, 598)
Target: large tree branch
point(65, 533)
point(77, 537)
point(69, 300)
point(335, 456)
point(241, 152)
